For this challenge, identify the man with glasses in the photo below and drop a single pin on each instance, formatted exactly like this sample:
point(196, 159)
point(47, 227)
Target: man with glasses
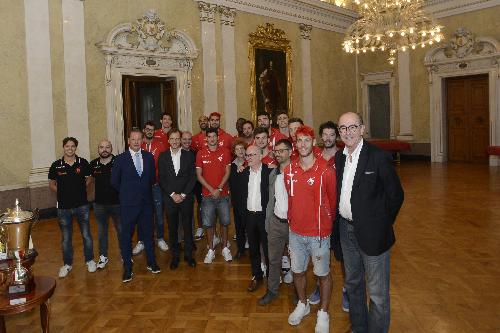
point(254, 184)
point(155, 146)
point(310, 183)
point(369, 198)
point(277, 219)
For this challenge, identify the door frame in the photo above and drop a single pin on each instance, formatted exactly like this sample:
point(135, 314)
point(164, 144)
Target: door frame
point(480, 56)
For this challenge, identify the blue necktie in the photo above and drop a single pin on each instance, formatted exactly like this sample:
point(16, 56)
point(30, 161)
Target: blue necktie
point(137, 162)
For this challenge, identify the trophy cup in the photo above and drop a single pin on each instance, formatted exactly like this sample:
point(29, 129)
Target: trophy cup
point(16, 275)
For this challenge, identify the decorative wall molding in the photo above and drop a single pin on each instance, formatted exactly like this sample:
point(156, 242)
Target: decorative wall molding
point(305, 44)
point(207, 11)
point(444, 8)
point(311, 12)
point(305, 31)
point(146, 48)
point(385, 77)
point(464, 54)
point(404, 89)
point(227, 15)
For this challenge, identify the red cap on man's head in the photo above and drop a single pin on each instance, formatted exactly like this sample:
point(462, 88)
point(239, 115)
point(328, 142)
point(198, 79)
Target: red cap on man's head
point(305, 130)
point(214, 114)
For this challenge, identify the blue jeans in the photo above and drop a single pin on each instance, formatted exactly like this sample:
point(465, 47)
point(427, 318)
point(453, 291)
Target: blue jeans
point(158, 208)
point(66, 224)
point(102, 214)
point(377, 270)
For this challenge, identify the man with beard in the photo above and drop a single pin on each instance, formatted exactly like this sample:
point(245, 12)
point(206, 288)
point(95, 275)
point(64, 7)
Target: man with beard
point(248, 132)
point(274, 135)
point(106, 202)
point(310, 184)
point(162, 133)
point(282, 121)
point(199, 139)
point(293, 125)
point(239, 127)
point(155, 147)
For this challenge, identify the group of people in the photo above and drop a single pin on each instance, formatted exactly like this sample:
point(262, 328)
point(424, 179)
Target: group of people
point(293, 202)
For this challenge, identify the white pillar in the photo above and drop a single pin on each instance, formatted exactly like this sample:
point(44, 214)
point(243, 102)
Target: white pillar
point(305, 45)
point(75, 74)
point(405, 123)
point(229, 67)
point(207, 18)
point(36, 15)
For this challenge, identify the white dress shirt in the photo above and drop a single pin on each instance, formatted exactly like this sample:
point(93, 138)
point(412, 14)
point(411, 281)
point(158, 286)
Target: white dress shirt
point(281, 196)
point(254, 203)
point(176, 160)
point(351, 163)
point(133, 153)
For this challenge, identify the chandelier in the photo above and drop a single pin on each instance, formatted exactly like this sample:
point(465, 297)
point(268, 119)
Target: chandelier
point(391, 26)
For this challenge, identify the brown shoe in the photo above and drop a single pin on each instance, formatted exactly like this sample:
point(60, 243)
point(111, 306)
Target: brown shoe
point(254, 284)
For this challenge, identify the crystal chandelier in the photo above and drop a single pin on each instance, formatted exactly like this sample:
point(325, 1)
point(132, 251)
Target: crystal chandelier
point(391, 26)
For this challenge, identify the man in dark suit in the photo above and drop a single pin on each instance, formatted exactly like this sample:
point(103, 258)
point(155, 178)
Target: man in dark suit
point(133, 175)
point(177, 178)
point(369, 198)
point(254, 183)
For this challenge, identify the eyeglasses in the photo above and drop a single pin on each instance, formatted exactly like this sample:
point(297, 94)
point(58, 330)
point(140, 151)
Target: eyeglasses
point(351, 128)
point(250, 155)
point(281, 151)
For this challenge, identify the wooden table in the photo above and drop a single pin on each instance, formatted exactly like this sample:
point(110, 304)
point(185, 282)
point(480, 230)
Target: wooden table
point(44, 289)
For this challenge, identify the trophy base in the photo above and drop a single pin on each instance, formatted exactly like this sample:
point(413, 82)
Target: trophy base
point(16, 289)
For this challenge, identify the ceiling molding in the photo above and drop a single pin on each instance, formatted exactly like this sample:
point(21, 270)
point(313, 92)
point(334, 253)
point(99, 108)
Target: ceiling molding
point(445, 8)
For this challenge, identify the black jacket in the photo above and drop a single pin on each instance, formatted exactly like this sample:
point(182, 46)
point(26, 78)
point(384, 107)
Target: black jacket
point(239, 187)
point(184, 181)
point(376, 198)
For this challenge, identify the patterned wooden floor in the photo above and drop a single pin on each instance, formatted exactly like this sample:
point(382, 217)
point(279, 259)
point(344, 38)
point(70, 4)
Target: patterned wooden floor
point(445, 273)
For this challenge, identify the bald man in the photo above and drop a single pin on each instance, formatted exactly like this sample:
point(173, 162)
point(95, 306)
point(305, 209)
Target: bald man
point(106, 203)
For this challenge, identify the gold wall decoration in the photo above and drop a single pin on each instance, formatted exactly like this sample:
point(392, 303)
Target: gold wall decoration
point(270, 55)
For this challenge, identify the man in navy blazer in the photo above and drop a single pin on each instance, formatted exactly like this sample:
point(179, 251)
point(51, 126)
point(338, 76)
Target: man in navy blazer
point(133, 175)
point(369, 197)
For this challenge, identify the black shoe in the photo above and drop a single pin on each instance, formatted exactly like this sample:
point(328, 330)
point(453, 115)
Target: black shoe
point(267, 298)
point(174, 263)
point(190, 261)
point(154, 268)
point(239, 255)
point(127, 275)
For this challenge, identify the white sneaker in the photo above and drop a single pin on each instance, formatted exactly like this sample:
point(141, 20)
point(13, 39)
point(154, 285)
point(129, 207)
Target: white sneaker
point(199, 234)
point(288, 277)
point(162, 245)
point(263, 267)
point(102, 262)
point(226, 253)
point(301, 310)
point(323, 322)
point(209, 257)
point(64, 271)
point(285, 264)
point(138, 248)
point(91, 266)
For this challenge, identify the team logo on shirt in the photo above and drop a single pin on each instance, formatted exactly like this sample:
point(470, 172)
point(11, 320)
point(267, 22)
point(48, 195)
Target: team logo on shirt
point(219, 158)
point(310, 181)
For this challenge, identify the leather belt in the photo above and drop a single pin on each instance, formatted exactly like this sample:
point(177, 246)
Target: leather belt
point(251, 212)
point(347, 220)
point(280, 219)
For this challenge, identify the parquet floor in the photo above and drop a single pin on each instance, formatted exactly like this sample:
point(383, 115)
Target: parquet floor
point(445, 273)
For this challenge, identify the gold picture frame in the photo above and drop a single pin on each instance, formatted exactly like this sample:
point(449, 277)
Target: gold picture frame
point(270, 56)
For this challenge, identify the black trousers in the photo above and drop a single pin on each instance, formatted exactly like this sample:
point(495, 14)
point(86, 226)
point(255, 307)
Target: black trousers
point(182, 212)
point(255, 223)
point(239, 225)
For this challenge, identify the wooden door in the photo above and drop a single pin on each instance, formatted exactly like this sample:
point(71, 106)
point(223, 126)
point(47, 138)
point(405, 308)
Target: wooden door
point(145, 98)
point(467, 104)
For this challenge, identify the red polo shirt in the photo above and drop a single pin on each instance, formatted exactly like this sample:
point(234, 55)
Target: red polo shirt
point(311, 198)
point(156, 147)
point(199, 141)
point(269, 161)
point(213, 168)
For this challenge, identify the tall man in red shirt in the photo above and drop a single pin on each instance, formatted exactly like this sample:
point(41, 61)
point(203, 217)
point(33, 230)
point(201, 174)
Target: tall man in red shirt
point(224, 139)
point(199, 139)
point(155, 146)
point(162, 133)
point(213, 167)
point(261, 141)
point(311, 187)
point(273, 133)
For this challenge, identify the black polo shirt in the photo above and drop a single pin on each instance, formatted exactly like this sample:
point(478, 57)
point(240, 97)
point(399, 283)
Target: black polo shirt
point(105, 194)
point(71, 185)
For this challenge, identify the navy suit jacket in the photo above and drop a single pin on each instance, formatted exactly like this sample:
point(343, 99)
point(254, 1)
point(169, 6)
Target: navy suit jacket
point(376, 198)
point(134, 190)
